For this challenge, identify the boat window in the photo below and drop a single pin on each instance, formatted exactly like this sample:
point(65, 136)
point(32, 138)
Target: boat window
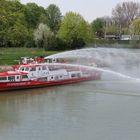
point(24, 76)
point(49, 60)
point(54, 60)
point(61, 76)
point(33, 69)
point(78, 75)
point(43, 79)
point(44, 68)
point(3, 78)
point(21, 68)
point(11, 78)
point(73, 75)
point(26, 69)
point(53, 68)
point(17, 77)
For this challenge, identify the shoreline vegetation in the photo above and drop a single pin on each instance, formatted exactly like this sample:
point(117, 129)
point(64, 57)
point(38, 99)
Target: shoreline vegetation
point(134, 44)
point(32, 30)
point(33, 26)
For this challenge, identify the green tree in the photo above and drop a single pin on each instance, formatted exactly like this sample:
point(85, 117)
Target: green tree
point(111, 30)
point(14, 0)
point(32, 13)
point(98, 27)
point(11, 16)
point(135, 27)
point(11, 12)
point(53, 17)
point(17, 35)
point(74, 30)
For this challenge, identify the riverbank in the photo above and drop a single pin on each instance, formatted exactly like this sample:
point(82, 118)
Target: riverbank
point(10, 56)
point(110, 43)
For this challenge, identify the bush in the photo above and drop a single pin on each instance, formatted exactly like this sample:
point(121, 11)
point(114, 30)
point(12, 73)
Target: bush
point(56, 45)
point(77, 43)
point(116, 43)
point(135, 43)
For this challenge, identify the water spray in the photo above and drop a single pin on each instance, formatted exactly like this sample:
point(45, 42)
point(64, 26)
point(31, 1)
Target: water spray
point(105, 60)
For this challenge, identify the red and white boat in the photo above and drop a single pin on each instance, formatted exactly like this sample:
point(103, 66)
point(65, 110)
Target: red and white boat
point(45, 74)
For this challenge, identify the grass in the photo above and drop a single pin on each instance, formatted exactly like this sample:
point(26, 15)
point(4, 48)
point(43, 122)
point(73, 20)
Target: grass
point(9, 55)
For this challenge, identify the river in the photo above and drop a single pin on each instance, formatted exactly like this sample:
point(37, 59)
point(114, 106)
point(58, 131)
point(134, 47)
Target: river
point(106, 109)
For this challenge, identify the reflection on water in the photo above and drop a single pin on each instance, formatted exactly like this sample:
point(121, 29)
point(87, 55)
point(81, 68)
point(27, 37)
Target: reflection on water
point(107, 109)
point(77, 111)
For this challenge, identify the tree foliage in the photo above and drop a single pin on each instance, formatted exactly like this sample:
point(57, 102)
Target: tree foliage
point(17, 22)
point(18, 35)
point(53, 17)
point(135, 27)
point(98, 27)
point(30, 24)
point(12, 23)
point(32, 14)
point(74, 29)
point(111, 30)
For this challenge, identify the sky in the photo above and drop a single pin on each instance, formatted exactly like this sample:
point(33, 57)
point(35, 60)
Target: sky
point(89, 9)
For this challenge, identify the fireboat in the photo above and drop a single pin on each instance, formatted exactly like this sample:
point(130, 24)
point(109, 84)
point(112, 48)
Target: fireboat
point(41, 74)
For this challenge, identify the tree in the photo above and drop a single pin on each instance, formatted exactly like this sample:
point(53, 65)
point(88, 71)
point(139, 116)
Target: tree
point(53, 17)
point(98, 27)
point(11, 12)
point(135, 27)
point(13, 0)
point(43, 36)
point(17, 35)
point(111, 30)
point(32, 14)
point(11, 17)
point(74, 29)
point(124, 13)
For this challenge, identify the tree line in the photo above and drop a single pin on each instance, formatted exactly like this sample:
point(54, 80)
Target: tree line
point(125, 20)
point(31, 25)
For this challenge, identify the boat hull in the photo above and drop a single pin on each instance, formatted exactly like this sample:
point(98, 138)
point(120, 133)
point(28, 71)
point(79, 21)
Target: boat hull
point(36, 83)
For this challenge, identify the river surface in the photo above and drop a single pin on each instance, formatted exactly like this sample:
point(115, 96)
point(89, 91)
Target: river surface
point(106, 109)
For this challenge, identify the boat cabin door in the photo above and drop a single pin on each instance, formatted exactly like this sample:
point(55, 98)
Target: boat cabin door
point(39, 71)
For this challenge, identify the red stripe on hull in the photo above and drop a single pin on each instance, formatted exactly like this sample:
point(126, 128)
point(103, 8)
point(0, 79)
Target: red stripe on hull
point(34, 84)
